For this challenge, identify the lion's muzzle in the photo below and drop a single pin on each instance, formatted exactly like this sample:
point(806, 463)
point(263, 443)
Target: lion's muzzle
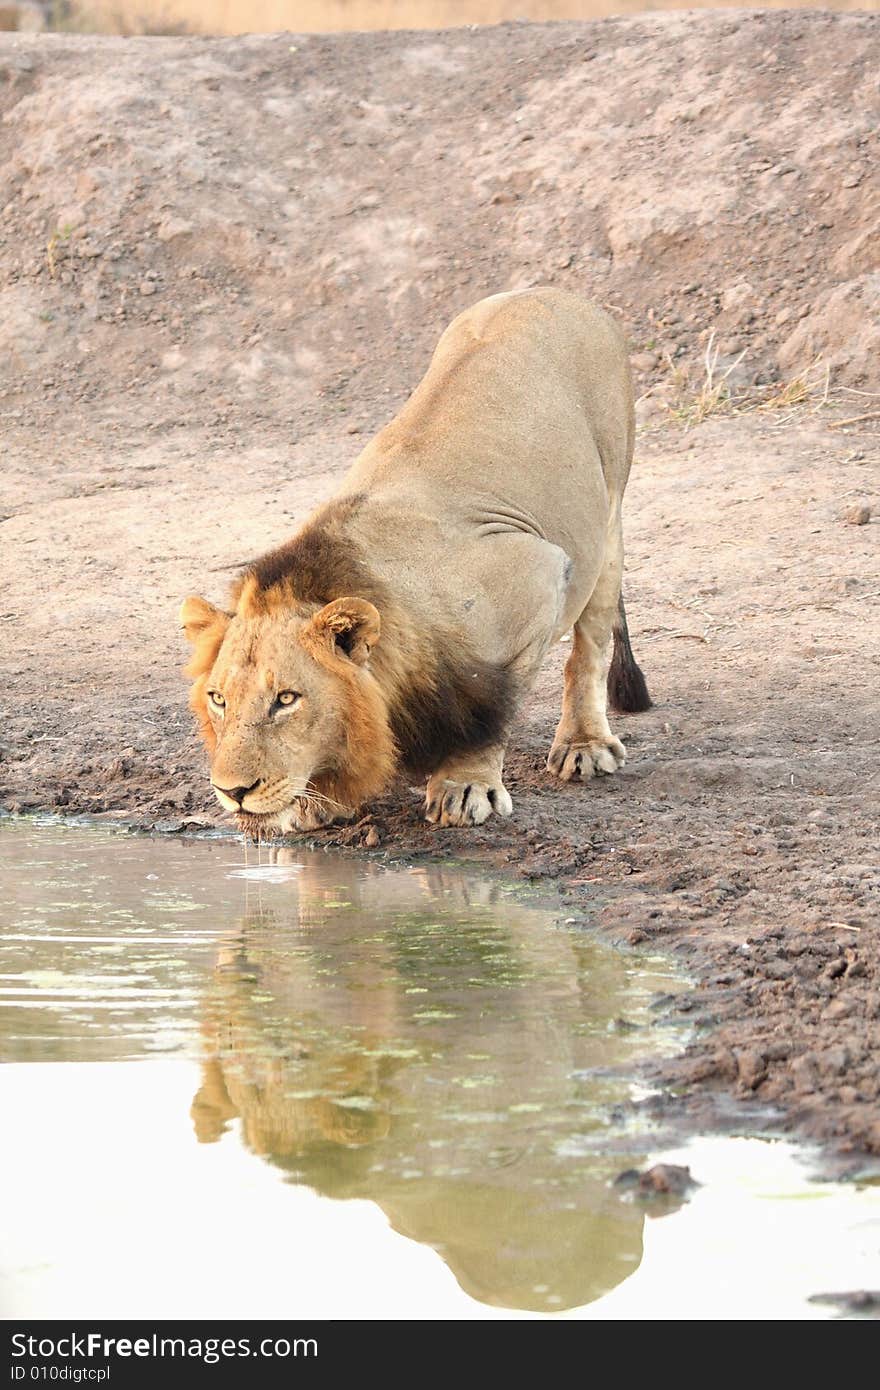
point(233, 798)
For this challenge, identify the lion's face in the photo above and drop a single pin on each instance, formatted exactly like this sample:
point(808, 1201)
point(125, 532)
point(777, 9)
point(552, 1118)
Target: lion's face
point(288, 707)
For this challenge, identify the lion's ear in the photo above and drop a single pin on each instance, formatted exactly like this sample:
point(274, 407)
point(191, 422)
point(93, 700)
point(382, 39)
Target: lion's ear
point(211, 1109)
point(205, 627)
point(350, 626)
point(196, 614)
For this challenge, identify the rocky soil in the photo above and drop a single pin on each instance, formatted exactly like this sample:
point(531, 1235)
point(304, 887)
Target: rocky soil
point(223, 263)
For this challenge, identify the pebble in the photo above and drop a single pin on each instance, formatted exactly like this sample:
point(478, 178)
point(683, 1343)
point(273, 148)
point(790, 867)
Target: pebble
point(858, 515)
point(751, 1068)
point(644, 361)
point(661, 1179)
point(173, 227)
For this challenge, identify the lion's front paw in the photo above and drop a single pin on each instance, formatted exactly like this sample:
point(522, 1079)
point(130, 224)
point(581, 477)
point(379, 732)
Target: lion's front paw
point(465, 803)
point(575, 761)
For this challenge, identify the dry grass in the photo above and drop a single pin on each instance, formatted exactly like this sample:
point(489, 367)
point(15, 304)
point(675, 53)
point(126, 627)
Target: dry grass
point(809, 387)
point(59, 236)
point(691, 406)
point(121, 18)
point(855, 420)
point(714, 393)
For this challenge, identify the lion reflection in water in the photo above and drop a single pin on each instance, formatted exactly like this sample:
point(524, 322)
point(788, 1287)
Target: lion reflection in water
point(427, 1043)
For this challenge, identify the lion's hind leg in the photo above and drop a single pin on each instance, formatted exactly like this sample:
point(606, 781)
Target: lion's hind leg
point(584, 746)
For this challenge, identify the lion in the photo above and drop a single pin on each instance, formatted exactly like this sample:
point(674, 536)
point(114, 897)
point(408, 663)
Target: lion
point(320, 1049)
point(405, 622)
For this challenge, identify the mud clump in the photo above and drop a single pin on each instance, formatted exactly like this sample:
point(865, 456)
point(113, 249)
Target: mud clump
point(662, 1180)
point(860, 1302)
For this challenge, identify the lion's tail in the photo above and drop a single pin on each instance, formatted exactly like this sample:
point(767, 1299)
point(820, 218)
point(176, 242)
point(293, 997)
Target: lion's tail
point(627, 688)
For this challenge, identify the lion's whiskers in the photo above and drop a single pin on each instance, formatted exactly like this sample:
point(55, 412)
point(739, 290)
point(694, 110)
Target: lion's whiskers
point(312, 794)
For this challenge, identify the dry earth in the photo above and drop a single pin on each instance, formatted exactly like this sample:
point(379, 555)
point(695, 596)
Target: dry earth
point(224, 262)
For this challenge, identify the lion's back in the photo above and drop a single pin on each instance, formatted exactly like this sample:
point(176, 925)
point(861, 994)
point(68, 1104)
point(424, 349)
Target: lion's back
point(519, 376)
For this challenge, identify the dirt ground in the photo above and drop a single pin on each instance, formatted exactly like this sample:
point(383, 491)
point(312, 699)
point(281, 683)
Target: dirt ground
point(225, 262)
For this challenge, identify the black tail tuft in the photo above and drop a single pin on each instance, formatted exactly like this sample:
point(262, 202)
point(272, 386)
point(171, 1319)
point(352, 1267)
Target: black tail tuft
point(627, 688)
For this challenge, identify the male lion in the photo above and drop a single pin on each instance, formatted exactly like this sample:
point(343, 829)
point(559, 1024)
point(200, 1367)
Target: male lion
point(478, 527)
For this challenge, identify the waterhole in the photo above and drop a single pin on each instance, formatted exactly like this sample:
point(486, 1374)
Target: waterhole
point(321, 1086)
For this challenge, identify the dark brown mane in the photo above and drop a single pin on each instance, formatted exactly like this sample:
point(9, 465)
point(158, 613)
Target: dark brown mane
point(456, 704)
point(320, 563)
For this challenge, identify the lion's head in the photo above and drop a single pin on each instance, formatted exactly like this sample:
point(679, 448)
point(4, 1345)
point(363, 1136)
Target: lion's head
point(292, 716)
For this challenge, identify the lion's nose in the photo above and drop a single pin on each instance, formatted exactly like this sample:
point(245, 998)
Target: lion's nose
point(236, 794)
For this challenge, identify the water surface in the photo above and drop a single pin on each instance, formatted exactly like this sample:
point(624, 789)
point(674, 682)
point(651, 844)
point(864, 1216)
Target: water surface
point(417, 1038)
point(316, 1086)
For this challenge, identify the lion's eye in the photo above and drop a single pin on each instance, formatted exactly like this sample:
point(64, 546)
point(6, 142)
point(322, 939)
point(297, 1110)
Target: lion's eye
point(216, 699)
point(286, 698)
